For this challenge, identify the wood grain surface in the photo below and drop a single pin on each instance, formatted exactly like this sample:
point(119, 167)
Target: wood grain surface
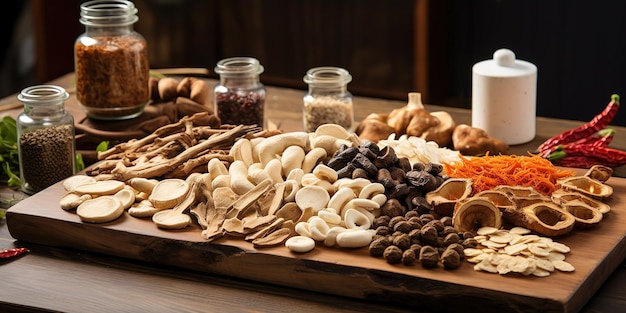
point(596, 253)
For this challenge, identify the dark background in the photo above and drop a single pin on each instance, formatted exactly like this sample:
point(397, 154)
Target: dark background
point(390, 47)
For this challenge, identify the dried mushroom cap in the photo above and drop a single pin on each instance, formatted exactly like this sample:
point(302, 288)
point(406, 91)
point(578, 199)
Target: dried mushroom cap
point(102, 209)
point(587, 186)
point(168, 193)
point(475, 141)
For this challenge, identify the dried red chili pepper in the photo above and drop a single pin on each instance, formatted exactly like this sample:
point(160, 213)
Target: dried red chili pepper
point(607, 156)
point(601, 138)
point(599, 122)
point(9, 253)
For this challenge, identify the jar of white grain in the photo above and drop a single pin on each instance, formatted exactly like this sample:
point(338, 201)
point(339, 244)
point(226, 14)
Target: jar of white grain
point(328, 100)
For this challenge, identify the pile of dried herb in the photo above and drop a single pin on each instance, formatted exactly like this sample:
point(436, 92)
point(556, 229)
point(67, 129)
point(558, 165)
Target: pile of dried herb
point(9, 157)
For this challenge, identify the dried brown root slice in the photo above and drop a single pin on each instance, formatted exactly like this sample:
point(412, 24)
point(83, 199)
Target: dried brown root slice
point(548, 219)
point(585, 215)
point(587, 186)
point(474, 213)
point(444, 198)
point(561, 197)
point(102, 209)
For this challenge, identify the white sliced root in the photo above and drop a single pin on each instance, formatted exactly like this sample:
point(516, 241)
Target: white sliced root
point(216, 168)
point(102, 187)
point(372, 190)
point(326, 173)
point(72, 200)
point(220, 181)
point(354, 219)
point(331, 236)
point(354, 238)
point(142, 209)
point(295, 175)
point(275, 169)
point(71, 182)
point(333, 130)
point(380, 198)
point(340, 198)
point(143, 184)
point(239, 182)
point(168, 193)
point(330, 216)
point(242, 151)
point(318, 228)
point(302, 228)
point(291, 188)
point(126, 196)
point(300, 244)
point(291, 158)
point(312, 158)
point(169, 219)
point(102, 209)
point(312, 197)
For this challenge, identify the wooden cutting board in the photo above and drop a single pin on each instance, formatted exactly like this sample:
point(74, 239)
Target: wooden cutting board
point(595, 254)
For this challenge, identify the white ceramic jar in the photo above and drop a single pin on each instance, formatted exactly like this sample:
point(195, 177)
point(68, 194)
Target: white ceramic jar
point(504, 96)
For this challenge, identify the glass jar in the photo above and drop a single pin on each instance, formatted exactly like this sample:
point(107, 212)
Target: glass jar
point(239, 97)
point(111, 61)
point(328, 100)
point(45, 132)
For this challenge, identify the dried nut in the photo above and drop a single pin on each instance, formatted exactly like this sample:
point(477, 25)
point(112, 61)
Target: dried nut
point(215, 167)
point(378, 246)
point(312, 159)
point(408, 257)
point(167, 88)
point(300, 244)
point(392, 207)
point(71, 182)
point(312, 197)
point(102, 187)
point(239, 182)
point(326, 173)
point(102, 209)
point(450, 259)
point(241, 150)
point(392, 254)
point(333, 130)
point(330, 216)
point(429, 256)
point(354, 238)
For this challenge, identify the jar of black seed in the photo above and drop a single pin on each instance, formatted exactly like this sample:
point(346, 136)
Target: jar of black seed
point(239, 97)
point(328, 100)
point(45, 133)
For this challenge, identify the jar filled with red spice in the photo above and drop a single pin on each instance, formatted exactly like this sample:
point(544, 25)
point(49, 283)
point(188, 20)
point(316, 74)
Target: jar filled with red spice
point(111, 61)
point(239, 97)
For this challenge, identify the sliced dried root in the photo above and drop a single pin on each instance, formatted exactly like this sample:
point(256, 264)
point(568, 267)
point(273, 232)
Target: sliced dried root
point(517, 251)
point(102, 209)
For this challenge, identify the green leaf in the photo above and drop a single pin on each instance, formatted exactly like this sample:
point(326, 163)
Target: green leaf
point(80, 164)
point(102, 146)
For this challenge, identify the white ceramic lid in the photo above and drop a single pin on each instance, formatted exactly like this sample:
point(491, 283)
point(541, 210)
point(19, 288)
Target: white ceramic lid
point(504, 64)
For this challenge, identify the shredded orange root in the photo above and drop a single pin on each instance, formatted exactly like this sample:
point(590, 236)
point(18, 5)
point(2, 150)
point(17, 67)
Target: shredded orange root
point(487, 172)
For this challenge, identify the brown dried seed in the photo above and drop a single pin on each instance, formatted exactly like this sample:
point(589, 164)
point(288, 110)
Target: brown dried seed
point(393, 254)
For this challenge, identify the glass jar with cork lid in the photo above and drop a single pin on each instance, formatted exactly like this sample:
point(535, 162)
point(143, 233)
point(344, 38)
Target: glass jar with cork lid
point(239, 97)
point(45, 137)
point(111, 61)
point(328, 100)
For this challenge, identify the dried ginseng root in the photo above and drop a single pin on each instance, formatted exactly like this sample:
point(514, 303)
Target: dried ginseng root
point(517, 251)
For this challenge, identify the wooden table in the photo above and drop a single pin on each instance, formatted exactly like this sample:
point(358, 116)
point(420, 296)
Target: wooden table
point(53, 279)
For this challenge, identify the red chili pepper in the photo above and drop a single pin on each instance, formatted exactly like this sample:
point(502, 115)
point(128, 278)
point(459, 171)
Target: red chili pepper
point(599, 122)
point(607, 156)
point(578, 161)
point(601, 138)
point(9, 253)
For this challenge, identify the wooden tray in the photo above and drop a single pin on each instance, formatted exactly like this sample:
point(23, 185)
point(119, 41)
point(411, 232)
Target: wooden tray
point(595, 254)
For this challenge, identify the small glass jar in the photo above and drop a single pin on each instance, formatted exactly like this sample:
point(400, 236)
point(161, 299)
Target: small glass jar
point(328, 100)
point(111, 61)
point(239, 97)
point(45, 132)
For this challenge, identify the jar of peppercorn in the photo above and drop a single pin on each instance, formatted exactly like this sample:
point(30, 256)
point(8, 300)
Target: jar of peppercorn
point(239, 97)
point(111, 61)
point(45, 137)
point(328, 100)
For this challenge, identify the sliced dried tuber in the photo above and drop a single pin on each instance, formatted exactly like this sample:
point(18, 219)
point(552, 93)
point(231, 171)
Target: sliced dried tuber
point(102, 209)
